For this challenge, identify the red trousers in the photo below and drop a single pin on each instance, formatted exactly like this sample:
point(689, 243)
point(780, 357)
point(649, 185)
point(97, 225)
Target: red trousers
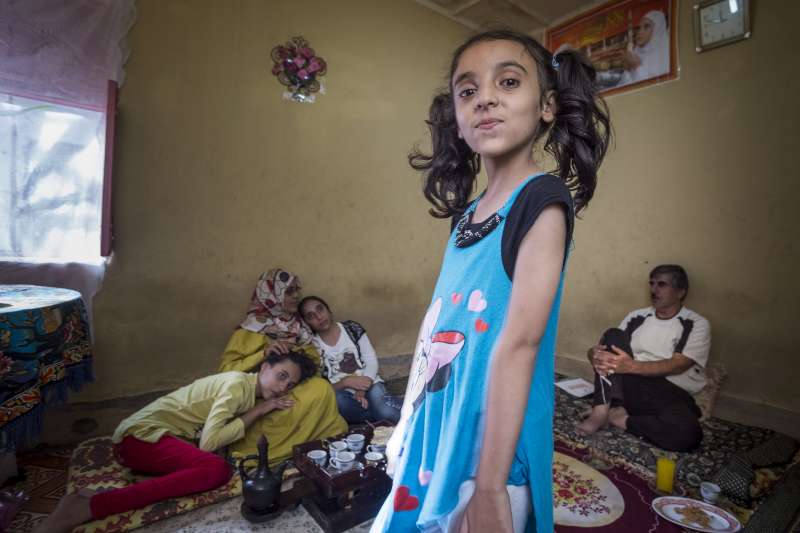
point(184, 469)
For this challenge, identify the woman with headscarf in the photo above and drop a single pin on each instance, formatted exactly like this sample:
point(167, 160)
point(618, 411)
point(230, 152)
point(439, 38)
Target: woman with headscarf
point(650, 55)
point(273, 324)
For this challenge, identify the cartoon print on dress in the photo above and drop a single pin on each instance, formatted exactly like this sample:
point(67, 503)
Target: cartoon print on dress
point(424, 476)
point(435, 353)
point(477, 302)
point(404, 500)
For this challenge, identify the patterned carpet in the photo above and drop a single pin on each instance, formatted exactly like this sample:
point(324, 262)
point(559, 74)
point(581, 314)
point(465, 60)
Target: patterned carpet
point(45, 470)
point(721, 440)
point(43, 478)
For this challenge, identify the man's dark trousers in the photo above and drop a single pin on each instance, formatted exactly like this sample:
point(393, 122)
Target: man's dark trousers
point(659, 411)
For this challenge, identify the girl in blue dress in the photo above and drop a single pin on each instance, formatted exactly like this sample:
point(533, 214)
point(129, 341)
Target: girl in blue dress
point(473, 449)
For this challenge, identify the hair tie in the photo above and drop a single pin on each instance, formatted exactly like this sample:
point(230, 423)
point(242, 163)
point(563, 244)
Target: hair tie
point(555, 63)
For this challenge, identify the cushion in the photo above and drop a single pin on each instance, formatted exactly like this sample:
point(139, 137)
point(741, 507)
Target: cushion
point(778, 450)
point(705, 399)
point(772, 459)
point(765, 479)
point(735, 478)
point(93, 466)
point(747, 475)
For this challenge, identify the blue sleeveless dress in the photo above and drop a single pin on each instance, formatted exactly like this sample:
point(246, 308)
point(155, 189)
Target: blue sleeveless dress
point(448, 385)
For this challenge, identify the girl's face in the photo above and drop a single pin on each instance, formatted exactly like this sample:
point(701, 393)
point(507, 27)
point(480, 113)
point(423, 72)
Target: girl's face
point(497, 98)
point(316, 315)
point(278, 379)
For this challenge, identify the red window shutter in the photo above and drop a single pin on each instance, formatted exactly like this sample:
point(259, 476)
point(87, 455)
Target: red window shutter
point(106, 234)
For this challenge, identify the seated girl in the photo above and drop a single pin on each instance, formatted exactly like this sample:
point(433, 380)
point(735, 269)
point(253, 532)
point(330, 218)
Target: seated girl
point(213, 411)
point(350, 364)
point(273, 325)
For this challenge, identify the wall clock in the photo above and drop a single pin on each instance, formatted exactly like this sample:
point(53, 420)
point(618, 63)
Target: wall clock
point(720, 22)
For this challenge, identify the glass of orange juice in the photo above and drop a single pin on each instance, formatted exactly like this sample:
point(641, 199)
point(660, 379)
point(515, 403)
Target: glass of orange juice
point(665, 474)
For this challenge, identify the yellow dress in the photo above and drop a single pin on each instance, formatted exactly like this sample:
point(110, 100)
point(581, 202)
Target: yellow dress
point(314, 414)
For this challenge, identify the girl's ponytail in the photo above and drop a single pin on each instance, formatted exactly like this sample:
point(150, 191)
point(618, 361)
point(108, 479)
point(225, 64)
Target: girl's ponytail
point(450, 170)
point(579, 136)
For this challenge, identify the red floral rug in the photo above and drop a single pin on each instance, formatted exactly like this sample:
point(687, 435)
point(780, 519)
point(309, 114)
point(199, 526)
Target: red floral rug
point(614, 500)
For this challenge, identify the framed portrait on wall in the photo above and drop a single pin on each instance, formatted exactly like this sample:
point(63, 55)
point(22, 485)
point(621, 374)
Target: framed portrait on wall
point(631, 43)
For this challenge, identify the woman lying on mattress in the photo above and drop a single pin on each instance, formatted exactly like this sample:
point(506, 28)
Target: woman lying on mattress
point(273, 325)
point(214, 411)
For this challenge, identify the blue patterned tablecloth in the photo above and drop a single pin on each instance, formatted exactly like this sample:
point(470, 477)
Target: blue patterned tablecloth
point(45, 349)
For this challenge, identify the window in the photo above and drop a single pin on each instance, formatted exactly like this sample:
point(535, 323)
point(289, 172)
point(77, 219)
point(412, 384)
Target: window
point(56, 125)
point(52, 160)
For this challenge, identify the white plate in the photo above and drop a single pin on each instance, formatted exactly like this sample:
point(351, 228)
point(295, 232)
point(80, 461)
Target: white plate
point(720, 521)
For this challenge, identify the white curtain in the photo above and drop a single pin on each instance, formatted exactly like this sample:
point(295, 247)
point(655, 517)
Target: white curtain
point(63, 50)
point(56, 57)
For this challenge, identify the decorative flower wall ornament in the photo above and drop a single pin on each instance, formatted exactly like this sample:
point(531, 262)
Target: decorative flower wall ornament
point(299, 68)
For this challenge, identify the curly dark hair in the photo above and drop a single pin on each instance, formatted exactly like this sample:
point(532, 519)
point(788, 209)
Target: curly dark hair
point(577, 140)
point(298, 357)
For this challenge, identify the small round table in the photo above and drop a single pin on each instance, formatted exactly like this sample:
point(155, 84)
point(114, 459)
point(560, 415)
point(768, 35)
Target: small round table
point(45, 349)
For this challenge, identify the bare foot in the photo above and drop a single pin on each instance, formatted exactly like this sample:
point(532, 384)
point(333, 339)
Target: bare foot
point(618, 417)
point(597, 419)
point(73, 510)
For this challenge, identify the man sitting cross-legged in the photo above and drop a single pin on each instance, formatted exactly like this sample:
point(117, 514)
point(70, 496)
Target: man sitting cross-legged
point(647, 369)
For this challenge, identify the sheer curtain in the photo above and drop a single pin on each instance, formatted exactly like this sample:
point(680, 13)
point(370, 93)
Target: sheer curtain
point(64, 50)
point(56, 59)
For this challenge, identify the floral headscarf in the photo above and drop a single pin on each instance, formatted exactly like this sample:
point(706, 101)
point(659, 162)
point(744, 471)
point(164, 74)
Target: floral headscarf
point(265, 314)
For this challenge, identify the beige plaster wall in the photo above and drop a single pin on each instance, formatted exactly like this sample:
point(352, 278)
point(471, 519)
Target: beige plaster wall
point(705, 174)
point(218, 178)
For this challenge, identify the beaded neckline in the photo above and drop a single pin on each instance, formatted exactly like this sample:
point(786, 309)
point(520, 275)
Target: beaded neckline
point(466, 236)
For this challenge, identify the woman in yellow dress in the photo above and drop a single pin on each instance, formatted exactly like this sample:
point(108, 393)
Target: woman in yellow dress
point(273, 324)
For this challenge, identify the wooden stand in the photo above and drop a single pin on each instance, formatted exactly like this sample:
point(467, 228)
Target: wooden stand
point(338, 514)
point(342, 499)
